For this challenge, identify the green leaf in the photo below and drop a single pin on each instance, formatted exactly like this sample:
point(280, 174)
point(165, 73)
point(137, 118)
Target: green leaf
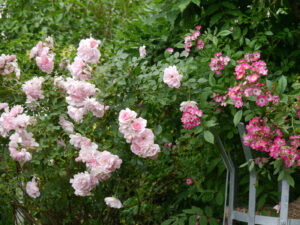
point(224, 33)
point(167, 222)
point(208, 211)
point(219, 198)
point(202, 80)
point(193, 220)
point(229, 5)
point(215, 18)
point(157, 129)
point(290, 180)
point(282, 84)
point(215, 41)
point(237, 117)
point(203, 220)
point(261, 201)
point(268, 33)
point(197, 2)
point(209, 137)
point(296, 86)
point(182, 5)
point(281, 175)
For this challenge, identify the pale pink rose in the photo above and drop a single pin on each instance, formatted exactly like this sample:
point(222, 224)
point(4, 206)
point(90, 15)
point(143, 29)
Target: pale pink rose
point(277, 207)
point(76, 113)
point(3, 105)
point(145, 139)
point(88, 50)
point(113, 202)
point(77, 140)
point(20, 156)
point(142, 50)
point(37, 50)
point(22, 121)
point(106, 107)
point(8, 121)
point(83, 183)
point(126, 116)
point(171, 77)
point(170, 50)
point(59, 83)
point(100, 173)
point(32, 89)
point(66, 125)
point(108, 161)
point(23, 138)
point(184, 105)
point(88, 154)
point(96, 107)
point(138, 125)
point(8, 65)
point(80, 70)
point(78, 90)
point(45, 61)
point(16, 110)
point(150, 151)
point(32, 189)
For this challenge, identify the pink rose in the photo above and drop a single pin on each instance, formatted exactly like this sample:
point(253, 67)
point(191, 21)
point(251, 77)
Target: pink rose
point(139, 125)
point(45, 62)
point(32, 89)
point(171, 77)
point(79, 70)
point(108, 161)
point(91, 104)
point(113, 202)
point(66, 125)
point(16, 110)
point(76, 113)
point(100, 173)
point(150, 151)
point(32, 189)
point(145, 139)
point(170, 50)
point(83, 183)
point(88, 50)
point(185, 105)
point(126, 116)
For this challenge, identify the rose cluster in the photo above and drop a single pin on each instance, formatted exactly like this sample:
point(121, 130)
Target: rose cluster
point(189, 39)
point(87, 52)
point(261, 138)
point(32, 89)
point(249, 71)
point(220, 99)
point(44, 55)
point(80, 92)
point(9, 65)
point(99, 164)
point(191, 114)
point(135, 131)
point(172, 77)
point(21, 141)
point(218, 63)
